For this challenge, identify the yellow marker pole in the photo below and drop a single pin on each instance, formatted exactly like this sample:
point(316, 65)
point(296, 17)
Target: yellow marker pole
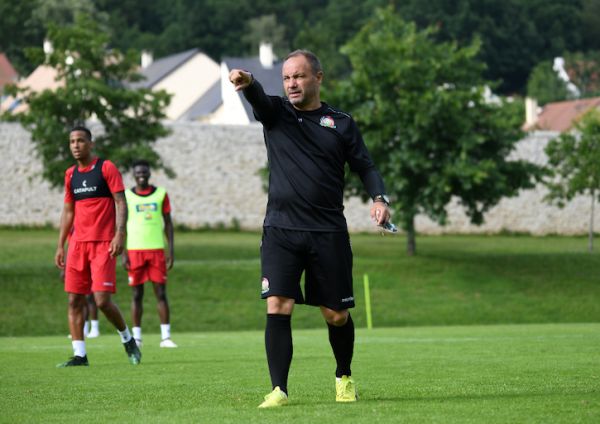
point(368, 302)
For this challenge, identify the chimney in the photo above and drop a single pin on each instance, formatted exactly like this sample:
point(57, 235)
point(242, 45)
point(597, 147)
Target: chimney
point(531, 112)
point(146, 59)
point(266, 56)
point(48, 49)
point(559, 67)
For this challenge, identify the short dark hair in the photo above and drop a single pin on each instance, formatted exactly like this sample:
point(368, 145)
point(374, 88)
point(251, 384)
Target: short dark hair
point(312, 58)
point(87, 132)
point(140, 162)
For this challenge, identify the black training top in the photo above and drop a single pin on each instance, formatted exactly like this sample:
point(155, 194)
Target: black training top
point(89, 185)
point(307, 152)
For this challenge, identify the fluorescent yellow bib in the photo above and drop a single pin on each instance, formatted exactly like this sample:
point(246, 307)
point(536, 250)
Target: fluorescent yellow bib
point(145, 220)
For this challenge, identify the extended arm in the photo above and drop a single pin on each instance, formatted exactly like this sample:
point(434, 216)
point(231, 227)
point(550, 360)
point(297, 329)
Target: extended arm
point(240, 79)
point(125, 255)
point(263, 105)
point(118, 241)
point(66, 222)
point(170, 239)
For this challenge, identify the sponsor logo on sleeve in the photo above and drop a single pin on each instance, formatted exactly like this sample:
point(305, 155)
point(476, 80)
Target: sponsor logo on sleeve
point(265, 285)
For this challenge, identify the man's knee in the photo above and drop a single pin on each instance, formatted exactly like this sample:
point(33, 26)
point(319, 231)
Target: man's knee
point(138, 294)
point(103, 300)
point(161, 292)
point(280, 305)
point(76, 301)
point(335, 318)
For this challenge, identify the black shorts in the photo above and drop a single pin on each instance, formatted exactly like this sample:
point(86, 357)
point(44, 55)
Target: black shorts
point(326, 258)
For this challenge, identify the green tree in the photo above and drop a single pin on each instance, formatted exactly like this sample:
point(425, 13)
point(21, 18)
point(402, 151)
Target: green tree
point(62, 12)
point(214, 26)
point(423, 113)
point(574, 161)
point(325, 32)
point(590, 18)
point(17, 31)
point(23, 24)
point(94, 89)
point(582, 69)
point(515, 34)
point(545, 86)
point(266, 29)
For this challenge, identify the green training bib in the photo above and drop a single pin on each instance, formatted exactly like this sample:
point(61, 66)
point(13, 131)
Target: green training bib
point(145, 220)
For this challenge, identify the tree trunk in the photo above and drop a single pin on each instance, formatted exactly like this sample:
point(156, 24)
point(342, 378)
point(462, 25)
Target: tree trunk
point(411, 244)
point(591, 233)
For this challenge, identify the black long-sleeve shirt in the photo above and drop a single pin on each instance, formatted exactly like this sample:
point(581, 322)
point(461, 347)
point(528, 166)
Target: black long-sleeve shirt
point(307, 152)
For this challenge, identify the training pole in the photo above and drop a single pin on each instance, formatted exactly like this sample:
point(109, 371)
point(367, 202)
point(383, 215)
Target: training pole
point(368, 302)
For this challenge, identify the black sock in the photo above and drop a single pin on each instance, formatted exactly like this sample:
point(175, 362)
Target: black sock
point(342, 343)
point(278, 343)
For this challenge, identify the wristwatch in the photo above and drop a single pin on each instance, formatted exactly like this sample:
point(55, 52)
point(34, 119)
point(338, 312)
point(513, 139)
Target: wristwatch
point(382, 198)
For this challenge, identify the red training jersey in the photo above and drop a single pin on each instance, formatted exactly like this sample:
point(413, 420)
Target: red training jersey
point(95, 218)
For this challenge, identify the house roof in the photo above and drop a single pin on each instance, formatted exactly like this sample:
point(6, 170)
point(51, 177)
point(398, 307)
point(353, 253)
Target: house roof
point(269, 78)
point(161, 68)
point(42, 78)
point(206, 104)
point(7, 72)
point(560, 116)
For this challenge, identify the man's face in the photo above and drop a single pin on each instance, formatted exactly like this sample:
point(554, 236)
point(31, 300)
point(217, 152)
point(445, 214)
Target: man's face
point(141, 174)
point(80, 145)
point(300, 84)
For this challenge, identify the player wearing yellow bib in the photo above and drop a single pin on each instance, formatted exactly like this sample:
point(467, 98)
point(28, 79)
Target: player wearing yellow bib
point(148, 222)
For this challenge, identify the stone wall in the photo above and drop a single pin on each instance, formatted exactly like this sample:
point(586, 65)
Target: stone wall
point(217, 183)
point(525, 213)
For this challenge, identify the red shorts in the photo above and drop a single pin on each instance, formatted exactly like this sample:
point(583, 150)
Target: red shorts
point(147, 265)
point(90, 268)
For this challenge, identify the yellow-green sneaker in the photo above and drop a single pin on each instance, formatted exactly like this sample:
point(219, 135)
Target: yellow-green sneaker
point(345, 390)
point(276, 398)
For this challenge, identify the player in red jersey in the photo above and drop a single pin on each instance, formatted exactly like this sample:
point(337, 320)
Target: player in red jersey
point(94, 205)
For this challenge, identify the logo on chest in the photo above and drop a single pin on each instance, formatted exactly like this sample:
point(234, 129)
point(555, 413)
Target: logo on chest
point(327, 121)
point(85, 188)
point(146, 209)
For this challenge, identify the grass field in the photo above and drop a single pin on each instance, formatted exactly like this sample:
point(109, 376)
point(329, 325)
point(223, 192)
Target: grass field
point(535, 361)
point(475, 374)
point(215, 284)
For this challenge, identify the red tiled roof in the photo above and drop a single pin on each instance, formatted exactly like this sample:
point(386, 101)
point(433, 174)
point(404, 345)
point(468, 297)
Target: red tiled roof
point(7, 72)
point(561, 116)
point(42, 78)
